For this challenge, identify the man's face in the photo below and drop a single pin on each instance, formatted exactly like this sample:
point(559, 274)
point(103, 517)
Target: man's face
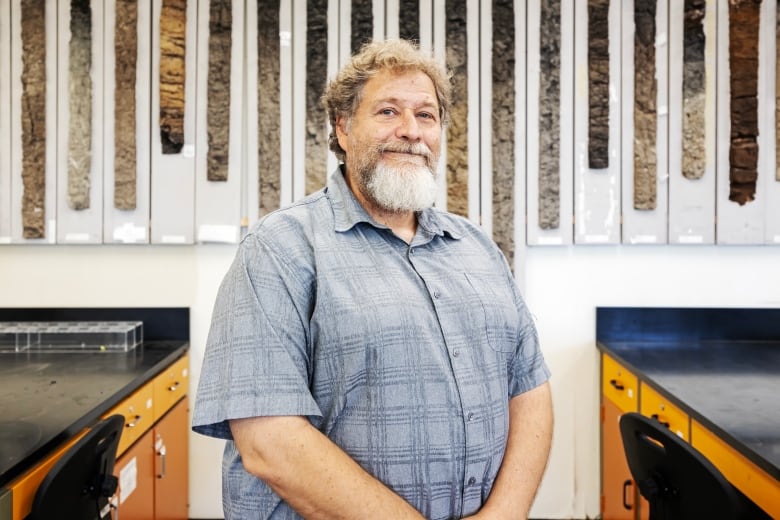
point(392, 143)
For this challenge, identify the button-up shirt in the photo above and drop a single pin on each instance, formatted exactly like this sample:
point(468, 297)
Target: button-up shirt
point(404, 355)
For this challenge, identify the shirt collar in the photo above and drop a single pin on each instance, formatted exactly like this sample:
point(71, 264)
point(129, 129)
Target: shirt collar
point(348, 212)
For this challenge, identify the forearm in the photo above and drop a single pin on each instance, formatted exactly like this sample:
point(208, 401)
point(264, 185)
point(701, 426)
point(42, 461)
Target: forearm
point(527, 450)
point(310, 473)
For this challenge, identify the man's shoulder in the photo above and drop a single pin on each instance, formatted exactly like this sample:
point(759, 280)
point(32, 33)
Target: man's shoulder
point(307, 215)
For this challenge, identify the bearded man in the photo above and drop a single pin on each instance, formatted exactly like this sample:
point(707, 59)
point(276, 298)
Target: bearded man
point(370, 356)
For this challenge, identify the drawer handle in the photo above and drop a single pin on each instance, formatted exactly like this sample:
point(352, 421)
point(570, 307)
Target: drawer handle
point(161, 453)
point(657, 418)
point(134, 422)
point(626, 505)
point(173, 387)
point(616, 384)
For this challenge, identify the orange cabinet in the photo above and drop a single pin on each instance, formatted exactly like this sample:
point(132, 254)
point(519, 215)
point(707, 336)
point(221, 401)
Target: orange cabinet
point(171, 440)
point(618, 490)
point(135, 471)
point(754, 482)
point(138, 411)
point(170, 386)
point(153, 474)
point(619, 384)
point(618, 396)
point(654, 405)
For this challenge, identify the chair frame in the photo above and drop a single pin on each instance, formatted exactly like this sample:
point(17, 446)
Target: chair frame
point(80, 484)
point(677, 480)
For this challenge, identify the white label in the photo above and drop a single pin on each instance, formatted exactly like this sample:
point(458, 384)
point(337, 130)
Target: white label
point(129, 233)
point(596, 239)
point(218, 233)
point(285, 37)
point(76, 237)
point(173, 239)
point(5, 240)
point(690, 239)
point(644, 239)
point(128, 478)
point(188, 150)
point(549, 241)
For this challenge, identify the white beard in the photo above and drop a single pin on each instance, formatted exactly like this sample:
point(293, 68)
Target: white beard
point(406, 187)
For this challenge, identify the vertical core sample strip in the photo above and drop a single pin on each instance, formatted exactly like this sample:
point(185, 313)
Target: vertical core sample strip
point(550, 114)
point(173, 30)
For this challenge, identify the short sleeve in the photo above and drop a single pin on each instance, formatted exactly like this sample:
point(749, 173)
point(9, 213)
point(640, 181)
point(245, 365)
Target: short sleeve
point(257, 360)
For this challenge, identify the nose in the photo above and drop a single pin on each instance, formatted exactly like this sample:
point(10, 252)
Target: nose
point(408, 126)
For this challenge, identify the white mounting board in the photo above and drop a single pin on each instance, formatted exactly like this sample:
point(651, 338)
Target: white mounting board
point(128, 226)
point(645, 226)
point(218, 204)
point(596, 191)
point(692, 201)
point(17, 189)
point(80, 226)
point(563, 234)
point(173, 175)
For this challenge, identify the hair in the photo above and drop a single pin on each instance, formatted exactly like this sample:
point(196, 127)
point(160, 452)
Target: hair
point(343, 95)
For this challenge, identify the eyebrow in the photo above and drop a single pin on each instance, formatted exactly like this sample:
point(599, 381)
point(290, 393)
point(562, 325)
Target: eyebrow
point(398, 101)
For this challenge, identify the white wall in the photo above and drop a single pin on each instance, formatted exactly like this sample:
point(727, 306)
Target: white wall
point(563, 286)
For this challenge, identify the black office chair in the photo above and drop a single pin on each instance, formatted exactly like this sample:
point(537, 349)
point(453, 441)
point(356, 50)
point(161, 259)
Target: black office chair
point(80, 483)
point(677, 480)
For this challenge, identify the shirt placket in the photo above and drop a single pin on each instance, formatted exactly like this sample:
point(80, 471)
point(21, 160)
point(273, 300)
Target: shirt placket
point(463, 368)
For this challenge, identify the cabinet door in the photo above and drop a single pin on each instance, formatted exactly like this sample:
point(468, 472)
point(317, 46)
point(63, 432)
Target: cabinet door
point(136, 485)
point(618, 491)
point(171, 449)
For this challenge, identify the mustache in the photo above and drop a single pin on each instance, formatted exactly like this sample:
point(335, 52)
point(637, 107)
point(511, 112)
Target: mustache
point(410, 148)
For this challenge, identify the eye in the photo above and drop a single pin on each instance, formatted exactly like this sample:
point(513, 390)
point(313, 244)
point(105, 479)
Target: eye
point(387, 111)
point(426, 115)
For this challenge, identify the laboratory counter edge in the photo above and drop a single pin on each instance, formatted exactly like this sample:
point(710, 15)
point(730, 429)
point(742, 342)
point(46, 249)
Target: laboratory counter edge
point(720, 366)
point(48, 399)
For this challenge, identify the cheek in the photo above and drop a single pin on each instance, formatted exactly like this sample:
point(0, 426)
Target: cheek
point(434, 143)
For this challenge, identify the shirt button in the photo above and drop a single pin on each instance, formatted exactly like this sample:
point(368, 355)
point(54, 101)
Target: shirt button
point(470, 416)
point(455, 353)
point(411, 251)
point(472, 481)
point(436, 294)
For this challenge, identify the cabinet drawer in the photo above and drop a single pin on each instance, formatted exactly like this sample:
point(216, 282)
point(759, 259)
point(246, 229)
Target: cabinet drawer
point(652, 404)
point(619, 384)
point(170, 386)
point(755, 483)
point(138, 411)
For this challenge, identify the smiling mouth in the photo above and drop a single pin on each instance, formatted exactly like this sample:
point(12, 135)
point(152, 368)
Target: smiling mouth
point(407, 156)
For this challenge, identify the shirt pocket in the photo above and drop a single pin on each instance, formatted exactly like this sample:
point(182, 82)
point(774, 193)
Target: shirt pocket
point(501, 320)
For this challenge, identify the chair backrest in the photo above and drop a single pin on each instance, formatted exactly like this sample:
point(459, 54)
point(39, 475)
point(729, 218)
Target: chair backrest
point(80, 483)
point(677, 480)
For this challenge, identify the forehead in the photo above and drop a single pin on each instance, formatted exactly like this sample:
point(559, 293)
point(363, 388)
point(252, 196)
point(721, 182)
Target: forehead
point(412, 86)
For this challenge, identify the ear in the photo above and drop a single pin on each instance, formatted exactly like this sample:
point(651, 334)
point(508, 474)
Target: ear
point(341, 131)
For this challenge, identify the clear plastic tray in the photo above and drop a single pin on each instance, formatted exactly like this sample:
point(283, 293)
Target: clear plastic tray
point(70, 336)
point(13, 338)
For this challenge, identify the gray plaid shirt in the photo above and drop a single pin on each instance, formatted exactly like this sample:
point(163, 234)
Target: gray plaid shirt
point(403, 355)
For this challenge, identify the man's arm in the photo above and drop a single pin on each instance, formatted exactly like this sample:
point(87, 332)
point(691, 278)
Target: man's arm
point(310, 473)
point(527, 449)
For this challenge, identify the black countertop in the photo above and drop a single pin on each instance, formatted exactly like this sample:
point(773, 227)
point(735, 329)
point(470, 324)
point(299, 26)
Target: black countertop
point(733, 389)
point(45, 398)
point(730, 385)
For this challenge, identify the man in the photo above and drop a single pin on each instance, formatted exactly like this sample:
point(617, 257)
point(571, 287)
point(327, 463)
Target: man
point(370, 356)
